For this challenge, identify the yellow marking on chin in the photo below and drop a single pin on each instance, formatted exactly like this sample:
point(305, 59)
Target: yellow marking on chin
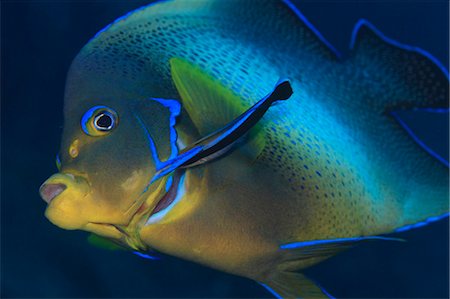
point(74, 148)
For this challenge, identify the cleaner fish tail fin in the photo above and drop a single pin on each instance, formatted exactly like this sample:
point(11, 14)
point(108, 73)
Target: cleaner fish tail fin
point(390, 79)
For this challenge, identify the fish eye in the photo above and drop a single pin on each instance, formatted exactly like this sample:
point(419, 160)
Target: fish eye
point(99, 120)
point(104, 121)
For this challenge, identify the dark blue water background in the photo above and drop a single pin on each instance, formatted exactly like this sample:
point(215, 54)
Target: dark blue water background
point(39, 40)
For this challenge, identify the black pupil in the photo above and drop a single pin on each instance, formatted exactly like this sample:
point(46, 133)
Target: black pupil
point(104, 121)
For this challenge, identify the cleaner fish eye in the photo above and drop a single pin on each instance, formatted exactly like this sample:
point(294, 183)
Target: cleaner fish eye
point(199, 169)
point(99, 120)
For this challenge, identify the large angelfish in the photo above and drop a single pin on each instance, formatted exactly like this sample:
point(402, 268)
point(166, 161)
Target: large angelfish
point(174, 140)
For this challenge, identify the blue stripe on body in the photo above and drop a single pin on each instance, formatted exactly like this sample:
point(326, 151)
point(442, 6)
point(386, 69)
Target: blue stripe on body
point(331, 241)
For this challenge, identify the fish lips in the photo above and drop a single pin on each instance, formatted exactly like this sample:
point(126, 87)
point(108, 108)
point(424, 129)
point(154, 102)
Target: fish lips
point(63, 193)
point(55, 185)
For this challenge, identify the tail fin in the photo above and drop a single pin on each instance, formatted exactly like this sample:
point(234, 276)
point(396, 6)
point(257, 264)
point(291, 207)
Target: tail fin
point(394, 78)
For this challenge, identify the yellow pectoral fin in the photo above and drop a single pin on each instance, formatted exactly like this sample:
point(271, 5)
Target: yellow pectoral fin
point(210, 105)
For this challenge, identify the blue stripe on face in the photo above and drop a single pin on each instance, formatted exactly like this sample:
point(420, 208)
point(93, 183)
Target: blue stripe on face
point(152, 148)
point(175, 109)
point(151, 143)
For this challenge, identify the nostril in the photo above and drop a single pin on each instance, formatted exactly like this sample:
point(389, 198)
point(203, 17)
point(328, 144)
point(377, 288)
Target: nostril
point(50, 191)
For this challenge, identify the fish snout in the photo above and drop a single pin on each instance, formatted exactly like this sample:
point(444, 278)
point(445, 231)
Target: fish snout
point(48, 191)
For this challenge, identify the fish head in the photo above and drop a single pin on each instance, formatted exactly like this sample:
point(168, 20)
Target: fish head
point(115, 136)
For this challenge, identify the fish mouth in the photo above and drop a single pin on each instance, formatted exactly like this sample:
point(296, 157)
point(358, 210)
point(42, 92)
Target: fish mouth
point(49, 192)
point(170, 198)
point(53, 187)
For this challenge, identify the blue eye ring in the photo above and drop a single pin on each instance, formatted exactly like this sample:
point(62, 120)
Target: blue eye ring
point(99, 120)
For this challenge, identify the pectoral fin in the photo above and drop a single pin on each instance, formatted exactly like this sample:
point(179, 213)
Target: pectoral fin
point(209, 104)
point(103, 243)
point(293, 285)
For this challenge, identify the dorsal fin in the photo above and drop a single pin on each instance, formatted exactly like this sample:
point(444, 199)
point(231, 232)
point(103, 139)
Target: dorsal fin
point(390, 63)
point(363, 34)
